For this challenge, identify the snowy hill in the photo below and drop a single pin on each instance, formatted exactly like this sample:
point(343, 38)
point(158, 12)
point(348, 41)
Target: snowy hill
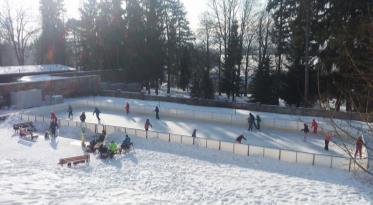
point(33, 69)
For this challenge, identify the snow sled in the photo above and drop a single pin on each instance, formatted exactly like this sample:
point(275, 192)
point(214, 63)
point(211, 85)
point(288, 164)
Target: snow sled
point(126, 148)
point(27, 134)
point(28, 125)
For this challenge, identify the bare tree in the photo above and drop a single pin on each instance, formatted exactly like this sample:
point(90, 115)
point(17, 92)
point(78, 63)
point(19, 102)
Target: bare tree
point(17, 29)
point(205, 31)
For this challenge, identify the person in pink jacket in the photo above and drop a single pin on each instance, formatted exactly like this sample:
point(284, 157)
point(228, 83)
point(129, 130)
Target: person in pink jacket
point(327, 138)
point(314, 125)
point(359, 146)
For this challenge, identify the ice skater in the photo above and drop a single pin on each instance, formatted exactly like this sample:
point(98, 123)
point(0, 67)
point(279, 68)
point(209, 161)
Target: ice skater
point(327, 138)
point(251, 121)
point(156, 112)
point(240, 138)
point(127, 108)
point(305, 130)
point(194, 134)
point(82, 117)
point(97, 112)
point(147, 125)
point(258, 121)
point(359, 146)
point(314, 126)
point(70, 112)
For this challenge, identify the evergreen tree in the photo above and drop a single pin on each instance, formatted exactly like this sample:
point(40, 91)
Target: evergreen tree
point(90, 56)
point(230, 81)
point(51, 48)
point(185, 73)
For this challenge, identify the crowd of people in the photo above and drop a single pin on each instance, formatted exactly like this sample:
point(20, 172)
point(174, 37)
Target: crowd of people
point(112, 148)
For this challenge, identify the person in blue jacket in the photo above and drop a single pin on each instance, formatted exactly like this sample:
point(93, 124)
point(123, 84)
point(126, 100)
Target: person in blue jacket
point(97, 112)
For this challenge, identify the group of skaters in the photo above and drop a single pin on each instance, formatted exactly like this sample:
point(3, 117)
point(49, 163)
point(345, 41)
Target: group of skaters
point(253, 121)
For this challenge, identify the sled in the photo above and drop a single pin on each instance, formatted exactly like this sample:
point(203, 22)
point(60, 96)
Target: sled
point(27, 134)
point(28, 125)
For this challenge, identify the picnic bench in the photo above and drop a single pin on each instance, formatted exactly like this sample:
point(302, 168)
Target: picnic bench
point(74, 160)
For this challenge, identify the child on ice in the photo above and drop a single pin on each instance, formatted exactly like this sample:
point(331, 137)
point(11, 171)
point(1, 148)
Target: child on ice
point(305, 130)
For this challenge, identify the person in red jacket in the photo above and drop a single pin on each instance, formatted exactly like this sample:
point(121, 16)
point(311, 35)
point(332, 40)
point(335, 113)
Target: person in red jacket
point(314, 126)
point(147, 124)
point(127, 108)
point(359, 146)
point(327, 138)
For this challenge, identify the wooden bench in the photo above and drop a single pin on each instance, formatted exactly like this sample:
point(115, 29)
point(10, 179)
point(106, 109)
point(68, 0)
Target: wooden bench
point(74, 160)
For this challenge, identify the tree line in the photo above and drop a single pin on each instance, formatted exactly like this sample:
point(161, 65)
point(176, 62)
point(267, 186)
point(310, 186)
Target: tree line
point(302, 51)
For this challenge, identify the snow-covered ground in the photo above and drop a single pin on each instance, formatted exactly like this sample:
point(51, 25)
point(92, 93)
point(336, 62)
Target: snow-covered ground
point(162, 173)
point(33, 69)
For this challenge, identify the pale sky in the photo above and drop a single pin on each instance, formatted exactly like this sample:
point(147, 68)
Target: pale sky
point(194, 8)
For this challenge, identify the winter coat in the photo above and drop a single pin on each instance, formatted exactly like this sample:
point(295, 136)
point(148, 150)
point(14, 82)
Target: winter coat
point(127, 107)
point(328, 137)
point(113, 147)
point(147, 124)
point(239, 138)
point(156, 109)
point(82, 117)
point(258, 119)
point(126, 141)
point(70, 109)
point(97, 111)
point(314, 124)
point(359, 143)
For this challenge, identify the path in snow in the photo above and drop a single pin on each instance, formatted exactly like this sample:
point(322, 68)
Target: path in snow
point(162, 173)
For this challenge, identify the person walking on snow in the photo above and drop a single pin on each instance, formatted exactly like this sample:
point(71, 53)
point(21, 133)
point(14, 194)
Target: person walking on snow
point(305, 130)
point(97, 112)
point(82, 117)
point(53, 128)
point(327, 138)
point(147, 124)
point(240, 138)
point(314, 126)
point(127, 108)
point(70, 111)
point(251, 121)
point(359, 146)
point(258, 121)
point(156, 112)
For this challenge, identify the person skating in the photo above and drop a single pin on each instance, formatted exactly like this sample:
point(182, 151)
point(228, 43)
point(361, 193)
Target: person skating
point(314, 126)
point(194, 134)
point(82, 117)
point(112, 149)
point(240, 138)
point(127, 108)
point(305, 130)
point(359, 146)
point(327, 138)
point(251, 121)
point(97, 112)
point(147, 125)
point(70, 112)
point(156, 112)
point(258, 121)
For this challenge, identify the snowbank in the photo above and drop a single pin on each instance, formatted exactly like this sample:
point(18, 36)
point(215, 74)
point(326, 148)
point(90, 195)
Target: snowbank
point(33, 69)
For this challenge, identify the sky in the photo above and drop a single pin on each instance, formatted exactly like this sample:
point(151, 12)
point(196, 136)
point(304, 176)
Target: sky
point(194, 8)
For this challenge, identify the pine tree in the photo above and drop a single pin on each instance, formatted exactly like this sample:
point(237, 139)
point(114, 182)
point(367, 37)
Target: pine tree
point(230, 81)
point(51, 48)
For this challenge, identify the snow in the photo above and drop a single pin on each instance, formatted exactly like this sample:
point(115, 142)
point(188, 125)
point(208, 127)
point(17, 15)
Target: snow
point(33, 69)
point(161, 173)
point(37, 78)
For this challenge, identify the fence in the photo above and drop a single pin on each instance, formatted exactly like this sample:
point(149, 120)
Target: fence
point(290, 156)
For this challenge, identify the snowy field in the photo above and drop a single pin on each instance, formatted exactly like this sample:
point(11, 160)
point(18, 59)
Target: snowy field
point(162, 173)
point(266, 138)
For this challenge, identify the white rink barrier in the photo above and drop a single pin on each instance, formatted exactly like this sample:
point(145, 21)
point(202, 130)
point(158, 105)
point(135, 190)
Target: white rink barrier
point(320, 160)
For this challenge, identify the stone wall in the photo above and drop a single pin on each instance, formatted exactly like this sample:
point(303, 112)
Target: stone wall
point(245, 106)
point(69, 87)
